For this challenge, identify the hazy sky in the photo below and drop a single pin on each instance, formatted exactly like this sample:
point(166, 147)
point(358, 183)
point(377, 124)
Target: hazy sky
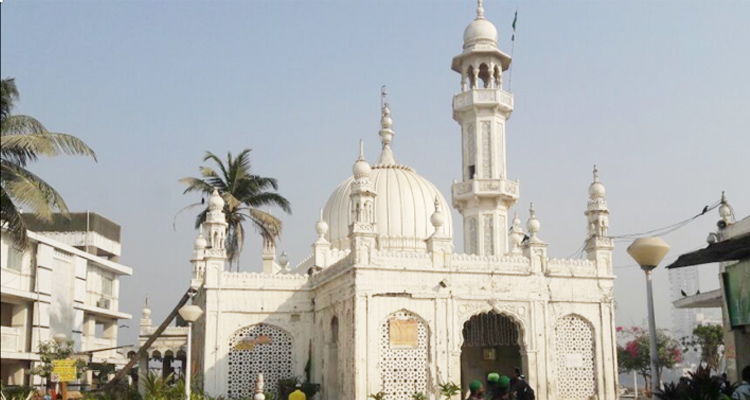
point(655, 93)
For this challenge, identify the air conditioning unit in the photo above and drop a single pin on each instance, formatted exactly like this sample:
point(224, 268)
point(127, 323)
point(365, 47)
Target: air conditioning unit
point(103, 303)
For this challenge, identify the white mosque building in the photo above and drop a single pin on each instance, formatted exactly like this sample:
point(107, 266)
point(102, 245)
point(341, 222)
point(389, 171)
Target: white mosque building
point(384, 303)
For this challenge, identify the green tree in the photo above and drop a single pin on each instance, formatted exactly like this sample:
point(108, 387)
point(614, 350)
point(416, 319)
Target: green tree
point(23, 139)
point(243, 194)
point(50, 351)
point(635, 355)
point(706, 339)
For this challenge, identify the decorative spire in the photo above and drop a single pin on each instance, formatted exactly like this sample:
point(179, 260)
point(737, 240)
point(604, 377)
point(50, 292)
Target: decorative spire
point(361, 168)
point(321, 227)
point(533, 225)
point(146, 309)
point(437, 219)
point(596, 174)
point(516, 235)
point(480, 10)
point(597, 189)
point(386, 129)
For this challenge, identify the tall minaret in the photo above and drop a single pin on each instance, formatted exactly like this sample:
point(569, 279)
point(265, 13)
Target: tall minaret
point(482, 109)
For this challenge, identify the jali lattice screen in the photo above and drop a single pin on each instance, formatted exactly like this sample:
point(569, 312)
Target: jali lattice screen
point(403, 369)
point(258, 349)
point(576, 377)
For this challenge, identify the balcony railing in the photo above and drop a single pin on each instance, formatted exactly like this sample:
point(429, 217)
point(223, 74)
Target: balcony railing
point(485, 188)
point(483, 97)
point(9, 338)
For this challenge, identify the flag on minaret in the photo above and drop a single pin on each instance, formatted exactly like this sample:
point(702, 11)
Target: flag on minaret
point(515, 18)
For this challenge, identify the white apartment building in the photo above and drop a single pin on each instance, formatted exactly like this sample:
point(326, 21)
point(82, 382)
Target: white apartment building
point(66, 282)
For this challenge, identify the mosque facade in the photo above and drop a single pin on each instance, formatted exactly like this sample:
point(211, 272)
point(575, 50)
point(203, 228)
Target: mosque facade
point(384, 304)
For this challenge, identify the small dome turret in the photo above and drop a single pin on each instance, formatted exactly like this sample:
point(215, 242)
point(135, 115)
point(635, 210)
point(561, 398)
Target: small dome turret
point(480, 31)
point(361, 167)
point(215, 202)
point(596, 189)
point(200, 242)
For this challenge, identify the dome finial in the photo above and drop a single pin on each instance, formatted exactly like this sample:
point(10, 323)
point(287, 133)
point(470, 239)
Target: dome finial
point(321, 227)
point(437, 219)
point(361, 167)
point(386, 129)
point(480, 10)
point(596, 174)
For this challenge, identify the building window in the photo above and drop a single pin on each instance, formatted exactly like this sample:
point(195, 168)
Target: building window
point(15, 259)
point(107, 285)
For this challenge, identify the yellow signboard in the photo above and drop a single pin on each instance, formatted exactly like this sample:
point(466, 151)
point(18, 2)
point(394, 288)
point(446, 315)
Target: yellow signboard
point(64, 370)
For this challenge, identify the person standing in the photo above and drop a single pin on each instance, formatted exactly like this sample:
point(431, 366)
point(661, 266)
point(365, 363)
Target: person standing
point(476, 390)
point(743, 390)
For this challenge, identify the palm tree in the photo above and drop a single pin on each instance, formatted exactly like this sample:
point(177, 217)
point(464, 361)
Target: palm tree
point(24, 139)
point(243, 194)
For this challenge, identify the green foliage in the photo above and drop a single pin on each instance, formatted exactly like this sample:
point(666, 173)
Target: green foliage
point(377, 396)
point(244, 194)
point(23, 139)
point(635, 355)
point(419, 396)
point(16, 392)
point(700, 385)
point(707, 339)
point(50, 351)
point(449, 390)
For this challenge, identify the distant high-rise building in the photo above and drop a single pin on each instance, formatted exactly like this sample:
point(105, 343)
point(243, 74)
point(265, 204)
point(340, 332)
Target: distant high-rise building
point(682, 282)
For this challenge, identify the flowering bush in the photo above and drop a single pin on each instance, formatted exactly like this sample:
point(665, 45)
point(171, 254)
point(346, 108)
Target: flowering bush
point(635, 354)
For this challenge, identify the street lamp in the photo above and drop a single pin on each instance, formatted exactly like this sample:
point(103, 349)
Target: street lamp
point(190, 313)
point(648, 253)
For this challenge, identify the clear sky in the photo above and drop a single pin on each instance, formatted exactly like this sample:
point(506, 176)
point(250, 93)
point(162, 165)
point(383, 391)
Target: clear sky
point(657, 94)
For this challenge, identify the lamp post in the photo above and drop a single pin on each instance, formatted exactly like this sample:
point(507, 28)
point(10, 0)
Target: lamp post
point(190, 313)
point(648, 253)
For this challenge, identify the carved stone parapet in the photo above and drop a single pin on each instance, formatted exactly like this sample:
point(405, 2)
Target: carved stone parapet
point(506, 189)
point(483, 98)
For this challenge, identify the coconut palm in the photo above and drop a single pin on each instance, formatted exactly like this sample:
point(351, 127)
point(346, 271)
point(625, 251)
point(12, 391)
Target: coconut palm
point(243, 193)
point(23, 140)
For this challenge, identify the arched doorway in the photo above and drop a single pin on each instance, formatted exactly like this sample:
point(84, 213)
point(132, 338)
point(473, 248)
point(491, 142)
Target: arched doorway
point(492, 343)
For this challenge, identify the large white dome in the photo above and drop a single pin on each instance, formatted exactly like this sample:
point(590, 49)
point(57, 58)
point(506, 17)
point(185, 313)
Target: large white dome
point(403, 206)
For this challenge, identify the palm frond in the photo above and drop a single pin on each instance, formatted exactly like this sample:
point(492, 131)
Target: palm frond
point(10, 217)
point(196, 185)
point(30, 190)
point(174, 221)
point(22, 124)
point(29, 146)
point(267, 225)
point(270, 199)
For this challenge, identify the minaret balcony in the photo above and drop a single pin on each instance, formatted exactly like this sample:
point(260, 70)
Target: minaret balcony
point(502, 188)
point(483, 98)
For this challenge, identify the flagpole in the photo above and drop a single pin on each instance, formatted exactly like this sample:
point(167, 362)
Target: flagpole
point(512, 50)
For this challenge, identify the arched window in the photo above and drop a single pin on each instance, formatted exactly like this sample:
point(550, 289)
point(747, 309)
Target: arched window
point(404, 347)
point(576, 373)
point(257, 349)
point(335, 330)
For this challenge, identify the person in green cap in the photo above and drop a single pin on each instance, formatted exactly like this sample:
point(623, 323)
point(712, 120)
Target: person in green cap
point(492, 392)
point(476, 390)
